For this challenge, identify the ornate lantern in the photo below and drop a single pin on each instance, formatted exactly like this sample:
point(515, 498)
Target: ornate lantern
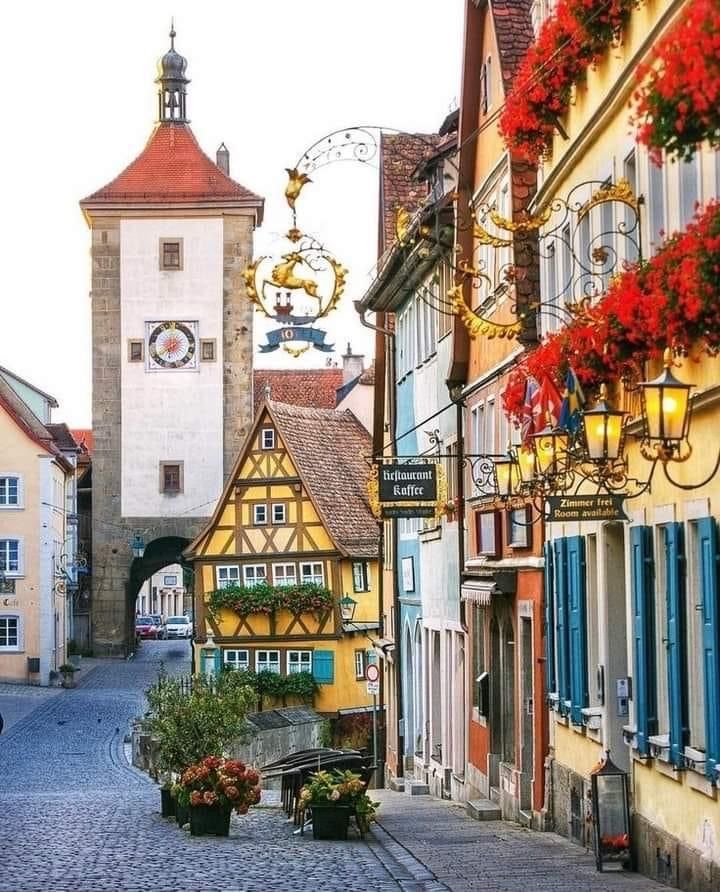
point(611, 816)
point(526, 465)
point(666, 408)
point(347, 608)
point(602, 427)
point(551, 451)
point(138, 546)
point(506, 476)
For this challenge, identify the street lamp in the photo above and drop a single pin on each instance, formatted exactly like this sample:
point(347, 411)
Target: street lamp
point(665, 409)
point(551, 451)
point(526, 464)
point(347, 608)
point(602, 427)
point(138, 546)
point(506, 476)
point(611, 816)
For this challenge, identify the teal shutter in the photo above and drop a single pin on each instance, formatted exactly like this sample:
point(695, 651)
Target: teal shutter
point(324, 666)
point(218, 660)
point(549, 620)
point(675, 642)
point(577, 621)
point(561, 613)
point(644, 690)
point(710, 606)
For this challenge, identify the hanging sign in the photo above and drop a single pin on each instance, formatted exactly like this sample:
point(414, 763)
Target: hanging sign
point(406, 489)
point(283, 336)
point(589, 507)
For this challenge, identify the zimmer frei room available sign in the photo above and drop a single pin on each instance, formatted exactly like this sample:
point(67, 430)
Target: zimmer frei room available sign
point(403, 489)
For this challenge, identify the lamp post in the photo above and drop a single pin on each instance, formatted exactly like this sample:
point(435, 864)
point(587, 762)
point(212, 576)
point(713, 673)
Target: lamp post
point(611, 816)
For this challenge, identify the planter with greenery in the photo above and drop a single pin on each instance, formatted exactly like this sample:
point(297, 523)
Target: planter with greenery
point(212, 789)
point(67, 670)
point(283, 690)
point(305, 597)
point(333, 797)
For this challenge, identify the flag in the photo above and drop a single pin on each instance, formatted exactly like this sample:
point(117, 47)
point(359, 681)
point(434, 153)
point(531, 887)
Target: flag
point(572, 404)
point(531, 407)
point(549, 405)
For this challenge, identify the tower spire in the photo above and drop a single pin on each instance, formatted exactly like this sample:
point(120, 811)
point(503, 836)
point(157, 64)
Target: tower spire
point(172, 92)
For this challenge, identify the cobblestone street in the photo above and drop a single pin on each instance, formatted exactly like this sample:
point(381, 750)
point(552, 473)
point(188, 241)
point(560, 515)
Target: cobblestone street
point(78, 818)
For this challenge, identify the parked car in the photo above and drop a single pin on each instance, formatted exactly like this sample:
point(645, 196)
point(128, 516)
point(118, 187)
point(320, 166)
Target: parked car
point(146, 627)
point(178, 627)
point(160, 623)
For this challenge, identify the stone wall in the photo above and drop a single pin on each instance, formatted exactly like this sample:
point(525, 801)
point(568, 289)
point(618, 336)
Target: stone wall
point(664, 858)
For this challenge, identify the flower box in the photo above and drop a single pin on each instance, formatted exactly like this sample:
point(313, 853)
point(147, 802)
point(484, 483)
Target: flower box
point(331, 821)
point(182, 814)
point(167, 803)
point(209, 820)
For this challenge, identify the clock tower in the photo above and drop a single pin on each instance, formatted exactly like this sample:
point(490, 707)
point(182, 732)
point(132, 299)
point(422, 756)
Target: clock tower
point(172, 352)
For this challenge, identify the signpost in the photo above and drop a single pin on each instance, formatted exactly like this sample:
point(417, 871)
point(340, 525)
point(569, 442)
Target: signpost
point(372, 677)
point(589, 507)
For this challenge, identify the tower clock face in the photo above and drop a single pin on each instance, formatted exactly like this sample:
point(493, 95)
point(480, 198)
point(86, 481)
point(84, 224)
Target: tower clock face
point(171, 345)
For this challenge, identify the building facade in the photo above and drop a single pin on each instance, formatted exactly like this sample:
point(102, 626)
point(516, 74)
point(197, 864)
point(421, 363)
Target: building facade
point(286, 573)
point(172, 352)
point(164, 593)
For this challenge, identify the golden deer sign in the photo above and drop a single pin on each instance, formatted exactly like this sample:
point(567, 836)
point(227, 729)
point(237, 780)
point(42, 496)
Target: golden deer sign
point(283, 276)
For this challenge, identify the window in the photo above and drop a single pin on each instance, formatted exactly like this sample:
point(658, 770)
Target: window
point(10, 492)
point(236, 659)
point(312, 573)
point(284, 574)
point(631, 241)
point(451, 471)
point(171, 477)
point(656, 189)
point(267, 661)
point(443, 276)
point(359, 664)
point(10, 556)
point(136, 351)
point(254, 574)
point(278, 512)
point(486, 86)
point(259, 514)
point(520, 527)
point(689, 192)
point(299, 661)
point(489, 447)
point(170, 580)
point(9, 633)
point(550, 317)
point(207, 349)
point(227, 576)
point(361, 576)
point(267, 438)
point(488, 535)
point(478, 658)
point(171, 254)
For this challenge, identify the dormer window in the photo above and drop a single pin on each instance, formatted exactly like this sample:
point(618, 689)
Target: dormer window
point(268, 438)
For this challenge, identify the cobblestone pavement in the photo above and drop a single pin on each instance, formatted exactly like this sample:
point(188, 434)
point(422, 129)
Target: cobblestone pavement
point(78, 818)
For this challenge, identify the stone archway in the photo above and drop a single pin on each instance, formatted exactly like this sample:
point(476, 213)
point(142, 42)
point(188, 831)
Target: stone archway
point(158, 554)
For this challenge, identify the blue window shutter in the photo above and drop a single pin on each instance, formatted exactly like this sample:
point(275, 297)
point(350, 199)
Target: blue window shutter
point(549, 620)
point(324, 666)
point(710, 606)
point(675, 643)
point(561, 613)
point(643, 606)
point(577, 621)
point(218, 660)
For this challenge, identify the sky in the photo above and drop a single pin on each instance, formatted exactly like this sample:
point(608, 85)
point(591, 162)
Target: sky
point(269, 78)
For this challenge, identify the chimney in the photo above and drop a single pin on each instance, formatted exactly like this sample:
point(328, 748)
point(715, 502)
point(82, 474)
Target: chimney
point(352, 365)
point(222, 159)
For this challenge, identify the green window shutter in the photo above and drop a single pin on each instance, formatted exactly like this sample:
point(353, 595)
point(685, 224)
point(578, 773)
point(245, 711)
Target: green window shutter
point(549, 620)
point(643, 606)
point(324, 666)
point(577, 627)
point(218, 660)
point(675, 641)
point(562, 625)
point(710, 606)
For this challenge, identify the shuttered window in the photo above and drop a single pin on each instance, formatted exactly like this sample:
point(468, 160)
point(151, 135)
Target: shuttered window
point(675, 642)
point(710, 608)
point(577, 626)
point(562, 625)
point(323, 666)
point(549, 620)
point(643, 606)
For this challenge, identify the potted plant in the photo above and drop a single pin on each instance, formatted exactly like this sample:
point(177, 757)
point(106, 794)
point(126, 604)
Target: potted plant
point(333, 797)
point(212, 789)
point(67, 670)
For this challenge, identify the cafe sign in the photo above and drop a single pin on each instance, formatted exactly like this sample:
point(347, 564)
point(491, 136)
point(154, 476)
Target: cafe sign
point(407, 489)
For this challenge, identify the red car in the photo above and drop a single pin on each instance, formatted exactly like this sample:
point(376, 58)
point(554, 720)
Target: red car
point(146, 627)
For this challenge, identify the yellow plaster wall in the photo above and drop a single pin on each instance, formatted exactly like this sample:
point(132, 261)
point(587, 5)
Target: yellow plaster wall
point(367, 602)
point(575, 750)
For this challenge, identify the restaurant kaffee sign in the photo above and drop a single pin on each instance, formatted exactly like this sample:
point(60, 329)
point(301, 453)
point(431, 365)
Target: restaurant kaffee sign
point(405, 489)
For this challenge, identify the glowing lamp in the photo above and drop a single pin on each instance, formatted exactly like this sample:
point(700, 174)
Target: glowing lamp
point(551, 451)
point(666, 406)
point(603, 426)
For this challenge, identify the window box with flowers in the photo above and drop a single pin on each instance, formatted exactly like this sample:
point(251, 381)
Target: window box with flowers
point(304, 597)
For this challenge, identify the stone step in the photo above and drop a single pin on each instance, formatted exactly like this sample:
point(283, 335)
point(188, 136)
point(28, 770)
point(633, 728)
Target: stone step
point(483, 810)
point(416, 788)
point(397, 784)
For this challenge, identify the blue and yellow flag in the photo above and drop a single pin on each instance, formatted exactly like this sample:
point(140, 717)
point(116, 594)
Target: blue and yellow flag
point(572, 404)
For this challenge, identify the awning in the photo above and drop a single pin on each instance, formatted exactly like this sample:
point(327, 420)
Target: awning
point(384, 647)
point(479, 591)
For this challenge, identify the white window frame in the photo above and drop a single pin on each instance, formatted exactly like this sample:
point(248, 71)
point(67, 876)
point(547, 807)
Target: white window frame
point(283, 579)
point(317, 578)
point(20, 570)
point(299, 661)
point(256, 515)
point(360, 664)
point(248, 580)
point(268, 664)
point(236, 664)
point(228, 581)
point(283, 509)
point(6, 616)
point(365, 573)
point(267, 438)
point(11, 475)
point(172, 576)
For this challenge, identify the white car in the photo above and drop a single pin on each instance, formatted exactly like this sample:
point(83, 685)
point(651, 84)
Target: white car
point(178, 627)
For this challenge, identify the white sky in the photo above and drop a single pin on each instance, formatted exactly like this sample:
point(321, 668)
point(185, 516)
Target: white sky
point(268, 78)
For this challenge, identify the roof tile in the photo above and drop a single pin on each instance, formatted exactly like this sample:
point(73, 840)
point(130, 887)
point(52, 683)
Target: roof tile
point(315, 388)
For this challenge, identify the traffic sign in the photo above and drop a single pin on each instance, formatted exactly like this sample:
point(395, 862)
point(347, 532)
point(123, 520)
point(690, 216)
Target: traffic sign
point(372, 672)
point(373, 687)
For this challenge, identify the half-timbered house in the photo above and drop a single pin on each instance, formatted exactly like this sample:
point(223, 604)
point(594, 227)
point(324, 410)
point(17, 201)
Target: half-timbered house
point(291, 537)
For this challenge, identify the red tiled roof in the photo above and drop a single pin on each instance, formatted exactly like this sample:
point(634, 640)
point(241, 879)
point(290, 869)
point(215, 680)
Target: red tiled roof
point(84, 438)
point(172, 168)
point(514, 34)
point(331, 450)
point(314, 388)
point(400, 154)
